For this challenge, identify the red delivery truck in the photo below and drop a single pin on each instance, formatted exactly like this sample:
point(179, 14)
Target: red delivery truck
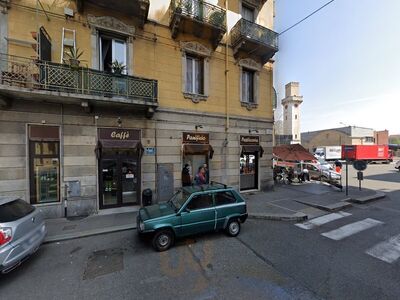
point(369, 153)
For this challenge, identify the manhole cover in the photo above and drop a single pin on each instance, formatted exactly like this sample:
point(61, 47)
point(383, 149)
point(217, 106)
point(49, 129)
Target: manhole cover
point(104, 262)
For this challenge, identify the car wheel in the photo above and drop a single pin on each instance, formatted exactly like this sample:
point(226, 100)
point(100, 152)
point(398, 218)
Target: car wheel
point(163, 240)
point(233, 227)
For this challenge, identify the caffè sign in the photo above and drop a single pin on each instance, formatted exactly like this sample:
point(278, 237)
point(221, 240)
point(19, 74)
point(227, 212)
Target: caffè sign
point(195, 138)
point(249, 140)
point(119, 134)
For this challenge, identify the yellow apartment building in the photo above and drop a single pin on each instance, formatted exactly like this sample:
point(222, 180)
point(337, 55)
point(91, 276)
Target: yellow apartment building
point(101, 100)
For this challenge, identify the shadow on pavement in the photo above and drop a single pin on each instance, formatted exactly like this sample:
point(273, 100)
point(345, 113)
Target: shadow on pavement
point(384, 177)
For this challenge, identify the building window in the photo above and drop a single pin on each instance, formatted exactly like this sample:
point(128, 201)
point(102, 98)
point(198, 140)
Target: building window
point(369, 139)
point(295, 117)
point(44, 161)
point(248, 86)
point(194, 75)
point(248, 13)
point(295, 136)
point(112, 49)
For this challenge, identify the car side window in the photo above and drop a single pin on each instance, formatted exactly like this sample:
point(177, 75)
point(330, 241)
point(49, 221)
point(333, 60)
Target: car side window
point(200, 201)
point(223, 198)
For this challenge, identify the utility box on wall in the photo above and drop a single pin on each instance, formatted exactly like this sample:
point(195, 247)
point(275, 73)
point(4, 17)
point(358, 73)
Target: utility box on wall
point(74, 188)
point(165, 181)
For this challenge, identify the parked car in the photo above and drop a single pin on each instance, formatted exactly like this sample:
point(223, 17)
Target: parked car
point(321, 171)
point(193, 210)
point(22, 231)
point(397, 165)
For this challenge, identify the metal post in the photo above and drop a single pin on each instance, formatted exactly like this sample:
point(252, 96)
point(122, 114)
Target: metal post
point(347, 177)
point(65, 200)
point(359, 185)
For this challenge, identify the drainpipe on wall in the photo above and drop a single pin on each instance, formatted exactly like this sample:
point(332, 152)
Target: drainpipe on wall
point(226, 68)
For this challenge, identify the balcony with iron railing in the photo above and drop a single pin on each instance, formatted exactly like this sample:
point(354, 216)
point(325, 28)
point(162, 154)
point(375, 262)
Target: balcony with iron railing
point(199, 18)
point(21, 77)
point(254, 39)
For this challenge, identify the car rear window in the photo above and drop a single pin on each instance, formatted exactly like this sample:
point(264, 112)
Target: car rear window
point(14, 210)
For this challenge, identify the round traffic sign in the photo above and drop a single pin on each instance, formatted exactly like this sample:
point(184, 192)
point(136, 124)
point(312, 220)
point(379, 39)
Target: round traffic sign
point(360, 165)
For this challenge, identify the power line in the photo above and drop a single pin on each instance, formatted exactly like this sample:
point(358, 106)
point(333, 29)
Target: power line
point(305, 18)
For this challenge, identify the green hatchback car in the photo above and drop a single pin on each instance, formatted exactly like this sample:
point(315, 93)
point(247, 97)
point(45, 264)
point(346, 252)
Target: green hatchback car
point(193, 210)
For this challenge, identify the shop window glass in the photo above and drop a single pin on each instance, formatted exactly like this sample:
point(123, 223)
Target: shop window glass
point(44, 160)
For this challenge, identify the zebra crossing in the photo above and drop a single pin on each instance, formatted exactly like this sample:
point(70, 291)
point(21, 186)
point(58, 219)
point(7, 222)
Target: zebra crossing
point(387, 251)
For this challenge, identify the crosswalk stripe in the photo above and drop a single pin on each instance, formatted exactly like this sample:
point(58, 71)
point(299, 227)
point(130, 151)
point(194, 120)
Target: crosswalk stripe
point(350, 229)
point(388, 251)
point(322, 220)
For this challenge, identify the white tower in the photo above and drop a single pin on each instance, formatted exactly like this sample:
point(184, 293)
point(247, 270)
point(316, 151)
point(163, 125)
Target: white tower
point(291, 111)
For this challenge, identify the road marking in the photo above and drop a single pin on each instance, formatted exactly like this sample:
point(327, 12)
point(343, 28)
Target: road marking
point(388, 251)
point(350, 229)
point(322, 220)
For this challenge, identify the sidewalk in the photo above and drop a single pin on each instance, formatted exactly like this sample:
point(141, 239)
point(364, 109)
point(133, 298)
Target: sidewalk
point(285, 203)
point(64, 229)
point(299, 202)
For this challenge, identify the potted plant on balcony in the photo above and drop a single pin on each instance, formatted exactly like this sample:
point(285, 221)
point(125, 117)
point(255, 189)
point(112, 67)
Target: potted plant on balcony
point(73, 57)
point(117, 67)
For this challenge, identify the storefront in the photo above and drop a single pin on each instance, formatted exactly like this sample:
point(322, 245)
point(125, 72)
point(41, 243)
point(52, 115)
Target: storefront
point(251, 152)
point(119, 153)
point(197, 151)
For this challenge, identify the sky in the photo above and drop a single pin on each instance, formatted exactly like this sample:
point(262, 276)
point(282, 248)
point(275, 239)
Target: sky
point(346, 58)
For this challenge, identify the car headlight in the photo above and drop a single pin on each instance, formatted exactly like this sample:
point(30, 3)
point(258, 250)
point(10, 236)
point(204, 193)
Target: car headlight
point(141, 225)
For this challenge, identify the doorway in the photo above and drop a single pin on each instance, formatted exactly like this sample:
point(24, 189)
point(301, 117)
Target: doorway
point(119, 179)
point(249, 171)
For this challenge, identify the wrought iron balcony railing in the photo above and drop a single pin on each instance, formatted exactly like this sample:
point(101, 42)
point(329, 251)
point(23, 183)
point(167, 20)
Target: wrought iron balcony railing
point(45, 75)
point(200, 11)
point(252, 31)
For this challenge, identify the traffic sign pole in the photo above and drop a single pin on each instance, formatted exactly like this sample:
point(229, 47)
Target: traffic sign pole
point(347, 177)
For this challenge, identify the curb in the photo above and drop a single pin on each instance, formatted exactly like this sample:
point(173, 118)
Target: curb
point(342, 204)
point(87, 233)
point(366, 199)
point(279, 217)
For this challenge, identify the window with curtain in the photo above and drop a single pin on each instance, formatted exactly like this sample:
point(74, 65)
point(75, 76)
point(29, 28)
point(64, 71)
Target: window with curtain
point(248, 86)
point(194, 75)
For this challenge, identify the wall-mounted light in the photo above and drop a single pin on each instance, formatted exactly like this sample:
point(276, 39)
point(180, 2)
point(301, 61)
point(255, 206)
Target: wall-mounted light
point(253, 131)
point(119, 121)
point(198, 126)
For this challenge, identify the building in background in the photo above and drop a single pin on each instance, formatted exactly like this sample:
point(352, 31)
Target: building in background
point(103, 99)
point(349, 135)
point(381, 137)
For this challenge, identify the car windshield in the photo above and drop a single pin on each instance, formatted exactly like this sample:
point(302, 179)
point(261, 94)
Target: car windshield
point(179, 199)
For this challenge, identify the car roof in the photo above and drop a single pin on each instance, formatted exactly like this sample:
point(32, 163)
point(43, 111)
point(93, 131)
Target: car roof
point(205, 188)
point(6, 199)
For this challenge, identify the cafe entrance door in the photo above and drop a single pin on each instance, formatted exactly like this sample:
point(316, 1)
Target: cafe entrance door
point(119, 179)
point(119, 151)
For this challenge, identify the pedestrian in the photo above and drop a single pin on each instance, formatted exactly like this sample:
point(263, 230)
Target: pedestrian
point(306, 174)
point(186, 176)
point(207, 173)
point(200, 176)
point(338, 166)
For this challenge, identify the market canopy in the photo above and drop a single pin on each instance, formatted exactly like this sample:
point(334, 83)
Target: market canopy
point(294, 152)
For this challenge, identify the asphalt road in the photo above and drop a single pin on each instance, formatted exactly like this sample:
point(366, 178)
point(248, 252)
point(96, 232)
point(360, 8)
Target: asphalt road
point(120, 266)
point(382, 177)
point(351, 255)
